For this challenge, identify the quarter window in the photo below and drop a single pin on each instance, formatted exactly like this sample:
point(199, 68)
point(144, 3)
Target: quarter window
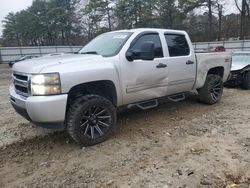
point(177, 45)
point(150, 38)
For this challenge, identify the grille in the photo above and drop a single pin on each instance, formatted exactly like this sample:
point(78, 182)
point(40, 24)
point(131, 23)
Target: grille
point(21, 83)
point(235, 75)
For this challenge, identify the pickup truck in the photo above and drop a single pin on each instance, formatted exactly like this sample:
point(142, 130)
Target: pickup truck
point(82, 92)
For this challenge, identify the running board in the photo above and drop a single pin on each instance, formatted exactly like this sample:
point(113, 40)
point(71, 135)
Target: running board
point(177, 98)
point(145, 105)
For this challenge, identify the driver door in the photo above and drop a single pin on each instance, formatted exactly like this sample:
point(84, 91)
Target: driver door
point(145, 79)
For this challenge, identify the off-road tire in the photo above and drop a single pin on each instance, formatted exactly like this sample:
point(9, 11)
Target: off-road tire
point(212, 90)
point(246, 80)
point(77, 110)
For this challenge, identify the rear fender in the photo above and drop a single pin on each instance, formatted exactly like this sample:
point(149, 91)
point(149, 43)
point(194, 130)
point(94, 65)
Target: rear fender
point(202, 76)
point(211, 63)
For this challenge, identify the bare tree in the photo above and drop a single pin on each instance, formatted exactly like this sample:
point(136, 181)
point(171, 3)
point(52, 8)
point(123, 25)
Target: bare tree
point(242, 18)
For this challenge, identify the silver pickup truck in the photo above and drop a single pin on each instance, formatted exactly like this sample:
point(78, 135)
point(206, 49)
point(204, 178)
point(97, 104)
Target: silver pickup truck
point(81, 92)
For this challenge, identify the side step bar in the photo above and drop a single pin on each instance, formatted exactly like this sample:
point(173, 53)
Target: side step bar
point(145, 105)
point(177, 98)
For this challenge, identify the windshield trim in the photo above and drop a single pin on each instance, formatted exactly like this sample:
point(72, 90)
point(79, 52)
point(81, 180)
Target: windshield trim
point(119, 49)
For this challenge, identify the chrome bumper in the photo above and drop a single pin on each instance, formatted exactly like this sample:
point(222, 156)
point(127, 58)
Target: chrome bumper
point(45, 111)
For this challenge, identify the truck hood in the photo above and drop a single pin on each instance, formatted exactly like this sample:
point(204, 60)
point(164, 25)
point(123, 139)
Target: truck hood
point(34, 66)
point(240, 61)
point(239, 65)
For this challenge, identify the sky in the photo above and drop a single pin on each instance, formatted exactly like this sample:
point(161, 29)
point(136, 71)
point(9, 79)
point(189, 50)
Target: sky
point(7, 6)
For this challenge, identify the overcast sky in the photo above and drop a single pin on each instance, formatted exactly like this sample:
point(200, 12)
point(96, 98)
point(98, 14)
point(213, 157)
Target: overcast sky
point(7, 6)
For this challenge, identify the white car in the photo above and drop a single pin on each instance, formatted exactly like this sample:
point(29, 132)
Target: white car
point(240, 71)
point(81, 92)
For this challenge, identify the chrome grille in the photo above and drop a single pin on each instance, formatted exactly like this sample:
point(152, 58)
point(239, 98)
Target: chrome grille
point(21, 83)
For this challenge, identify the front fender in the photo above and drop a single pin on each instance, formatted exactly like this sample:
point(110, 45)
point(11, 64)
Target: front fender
point(72, 74)
point(71, 79)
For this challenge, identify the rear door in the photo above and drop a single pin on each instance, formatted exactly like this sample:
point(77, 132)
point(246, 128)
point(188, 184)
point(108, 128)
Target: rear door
point(181, 63)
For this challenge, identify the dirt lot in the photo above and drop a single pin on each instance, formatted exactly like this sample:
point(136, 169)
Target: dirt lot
point(184, 144)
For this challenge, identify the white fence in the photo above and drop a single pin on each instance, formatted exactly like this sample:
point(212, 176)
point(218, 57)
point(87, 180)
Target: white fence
point(10, 53)
point(231, 46)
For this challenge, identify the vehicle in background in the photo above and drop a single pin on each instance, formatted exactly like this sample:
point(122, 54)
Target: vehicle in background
point(240, 71)
point(216, 49)
point(82, 92)
point(26, 57)
point(211, 49)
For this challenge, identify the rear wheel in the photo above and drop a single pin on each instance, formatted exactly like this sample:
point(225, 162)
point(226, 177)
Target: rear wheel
point(212, 90)
point(91, 119)
point(246, 80)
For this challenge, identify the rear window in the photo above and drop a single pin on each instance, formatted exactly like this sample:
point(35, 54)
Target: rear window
point(177, 45)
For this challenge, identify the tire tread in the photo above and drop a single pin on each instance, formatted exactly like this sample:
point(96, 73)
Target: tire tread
point(204, 93)
point(246, 80)
point(74, 108)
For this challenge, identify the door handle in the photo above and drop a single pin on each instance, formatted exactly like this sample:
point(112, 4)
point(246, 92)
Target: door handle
point(189, 62)
point(161, 65)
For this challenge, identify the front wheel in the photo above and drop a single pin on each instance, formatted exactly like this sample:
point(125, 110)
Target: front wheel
point(91, 119)
point(246, 80)
point(212, 90)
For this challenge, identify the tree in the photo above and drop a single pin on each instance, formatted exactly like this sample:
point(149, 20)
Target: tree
point(44, 23)
point(210, 8)
point(220, 10)
point(230, 26)
point(73, 22)
point(10, 33)
point(243, 10)
point(136, 13)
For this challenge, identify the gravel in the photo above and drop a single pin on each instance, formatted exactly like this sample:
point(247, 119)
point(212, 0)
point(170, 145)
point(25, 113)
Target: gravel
point(185, 144)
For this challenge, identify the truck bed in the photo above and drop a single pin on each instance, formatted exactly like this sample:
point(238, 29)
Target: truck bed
point(206, 61)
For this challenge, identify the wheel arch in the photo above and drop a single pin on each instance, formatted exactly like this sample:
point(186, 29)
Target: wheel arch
point(217, 71)
point(202, 76)
point(104, 88)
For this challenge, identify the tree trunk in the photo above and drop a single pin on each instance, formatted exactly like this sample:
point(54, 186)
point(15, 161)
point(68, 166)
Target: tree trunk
point(63, 38)
point(108, 14)
point(220, 19)
point(210, 20)
point(242, 19)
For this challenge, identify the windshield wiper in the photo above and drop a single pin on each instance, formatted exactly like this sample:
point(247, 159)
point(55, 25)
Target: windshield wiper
point(90, 52)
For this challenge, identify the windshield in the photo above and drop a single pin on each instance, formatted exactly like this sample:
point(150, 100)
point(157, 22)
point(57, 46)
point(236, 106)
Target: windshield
point(241, 58)
point(108, 44)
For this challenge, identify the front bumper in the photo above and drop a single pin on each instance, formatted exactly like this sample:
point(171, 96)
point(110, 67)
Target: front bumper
point(235, 79)
point(44, 111)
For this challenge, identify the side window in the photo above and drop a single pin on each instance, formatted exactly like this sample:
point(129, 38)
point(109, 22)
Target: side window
point(177, 45)
point(149, 38)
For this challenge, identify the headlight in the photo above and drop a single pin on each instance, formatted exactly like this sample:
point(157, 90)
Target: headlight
point(45, 84)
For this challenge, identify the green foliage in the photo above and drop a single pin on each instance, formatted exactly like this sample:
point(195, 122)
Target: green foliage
point(136, 13)
point(44, 23)
point(74, 22)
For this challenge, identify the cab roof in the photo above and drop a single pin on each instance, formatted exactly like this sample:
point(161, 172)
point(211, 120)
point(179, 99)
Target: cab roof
point(139, 30)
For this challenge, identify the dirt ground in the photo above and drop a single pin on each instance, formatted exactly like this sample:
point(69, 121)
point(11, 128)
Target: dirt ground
point(185, 144)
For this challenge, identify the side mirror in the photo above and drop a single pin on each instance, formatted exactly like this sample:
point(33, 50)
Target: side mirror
point(147, 51)
point(130, 55)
